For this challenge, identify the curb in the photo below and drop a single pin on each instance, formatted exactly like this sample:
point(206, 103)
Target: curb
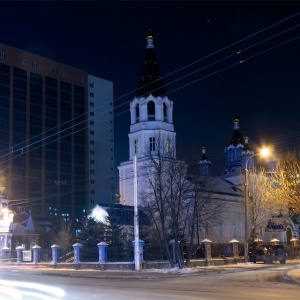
point(289, 278)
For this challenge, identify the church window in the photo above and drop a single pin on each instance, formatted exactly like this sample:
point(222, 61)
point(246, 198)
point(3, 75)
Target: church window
point(168, 145)
point(165, 112)
point(152, 143)
point(137, 113)
point(234, 230)
point(220, 230)
point(136, 146)
point(151, 111)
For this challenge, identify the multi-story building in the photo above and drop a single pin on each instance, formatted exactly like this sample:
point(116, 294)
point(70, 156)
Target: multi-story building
point(56, 135)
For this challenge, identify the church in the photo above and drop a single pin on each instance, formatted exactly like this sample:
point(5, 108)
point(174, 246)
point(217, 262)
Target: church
point(151, 113)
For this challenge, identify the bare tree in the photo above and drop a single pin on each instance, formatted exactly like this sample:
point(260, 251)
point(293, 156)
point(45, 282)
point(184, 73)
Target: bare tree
point(266, 202)
point(66, 236)
point(287, 176)
point(176, 205)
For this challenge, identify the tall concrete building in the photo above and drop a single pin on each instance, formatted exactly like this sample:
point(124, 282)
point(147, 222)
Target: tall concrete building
point(56, 136)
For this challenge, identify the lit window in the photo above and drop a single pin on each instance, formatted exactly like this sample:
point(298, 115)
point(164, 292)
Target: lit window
point(168, 145)
point(152, 143)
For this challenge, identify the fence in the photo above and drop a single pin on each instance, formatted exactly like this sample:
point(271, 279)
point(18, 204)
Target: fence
point(150, 253)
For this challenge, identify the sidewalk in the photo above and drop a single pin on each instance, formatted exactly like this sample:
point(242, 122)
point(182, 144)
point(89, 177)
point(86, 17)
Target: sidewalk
point(45, 269)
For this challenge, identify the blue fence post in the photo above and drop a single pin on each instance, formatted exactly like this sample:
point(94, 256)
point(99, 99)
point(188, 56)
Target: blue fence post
point(19, 253)
point(55, 248)
point(77, 248)
point(102, 247)
point(141, 249)
point(36, 249)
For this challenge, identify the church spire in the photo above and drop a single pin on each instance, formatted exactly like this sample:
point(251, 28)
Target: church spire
point(204, 163)
point(150, 80)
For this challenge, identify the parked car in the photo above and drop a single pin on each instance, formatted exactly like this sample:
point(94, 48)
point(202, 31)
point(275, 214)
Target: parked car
point(268, 254)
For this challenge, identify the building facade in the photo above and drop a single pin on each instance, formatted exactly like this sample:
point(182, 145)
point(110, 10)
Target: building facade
point(56, 135)
point(151, 117)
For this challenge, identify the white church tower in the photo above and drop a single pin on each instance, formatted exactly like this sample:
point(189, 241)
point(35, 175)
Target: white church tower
point(151, 117)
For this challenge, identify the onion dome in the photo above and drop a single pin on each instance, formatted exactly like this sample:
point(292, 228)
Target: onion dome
point(204, 157)
point(150, 81)
point(246, 145)
point(204, 163)
point(237, 137)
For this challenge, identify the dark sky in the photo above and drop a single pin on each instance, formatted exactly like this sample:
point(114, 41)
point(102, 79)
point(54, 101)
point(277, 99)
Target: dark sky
point(196, 38)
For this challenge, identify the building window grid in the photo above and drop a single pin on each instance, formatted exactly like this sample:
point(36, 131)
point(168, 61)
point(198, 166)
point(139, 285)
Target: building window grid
point(152, 143)
point(136, 146)
point(2, 55)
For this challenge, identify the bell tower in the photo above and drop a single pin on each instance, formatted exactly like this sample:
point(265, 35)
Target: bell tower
point(151, 117)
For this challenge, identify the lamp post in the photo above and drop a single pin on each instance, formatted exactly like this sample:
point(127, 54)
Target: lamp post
point(264, 152)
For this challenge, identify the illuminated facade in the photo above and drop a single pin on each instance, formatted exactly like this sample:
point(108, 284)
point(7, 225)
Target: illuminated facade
point(56, 135)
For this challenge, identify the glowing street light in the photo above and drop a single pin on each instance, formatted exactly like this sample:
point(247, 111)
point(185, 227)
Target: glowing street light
point(265, 152)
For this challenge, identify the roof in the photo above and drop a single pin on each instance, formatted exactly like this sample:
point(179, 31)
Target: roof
point(218, 185)
point(150, 81)
point(125, 215)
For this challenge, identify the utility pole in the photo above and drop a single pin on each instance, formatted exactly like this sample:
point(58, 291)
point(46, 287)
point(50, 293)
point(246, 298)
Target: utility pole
point(136, 219)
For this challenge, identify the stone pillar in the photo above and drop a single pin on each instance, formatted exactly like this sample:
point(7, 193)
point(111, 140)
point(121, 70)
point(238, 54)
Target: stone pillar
point(4, 252)
point(172, 243)
point(207, 245)
point(55, 248)
point(19, 253)
point(77, 248)
point(36, 249)
point(235, 250)
point(102, 247)
point(141, 250)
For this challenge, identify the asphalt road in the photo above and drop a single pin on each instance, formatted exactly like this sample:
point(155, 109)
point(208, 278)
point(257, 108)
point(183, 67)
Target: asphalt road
point(267, 283)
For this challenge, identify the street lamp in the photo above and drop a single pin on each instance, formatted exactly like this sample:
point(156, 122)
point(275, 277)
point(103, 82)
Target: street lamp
point(264, 152)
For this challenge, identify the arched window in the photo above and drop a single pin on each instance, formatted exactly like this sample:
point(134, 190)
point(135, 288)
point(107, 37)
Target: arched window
point(137, 113)
point(151, 111)
point(165, 112)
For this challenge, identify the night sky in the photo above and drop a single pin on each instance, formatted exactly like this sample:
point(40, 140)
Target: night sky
point(197, 45)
